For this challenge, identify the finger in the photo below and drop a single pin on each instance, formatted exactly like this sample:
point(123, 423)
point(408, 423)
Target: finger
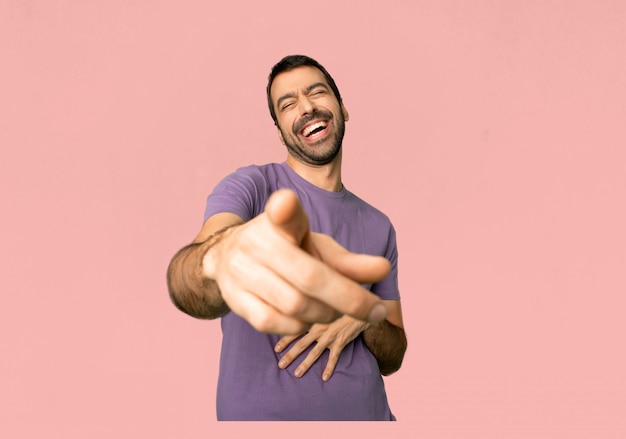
point(284, 342)
point(295, 351)
point(265, 318)
point(333, 359)
point(278, 293)
point(311, 358)
point(321, 282)
point(288, 216)
point(360, 268)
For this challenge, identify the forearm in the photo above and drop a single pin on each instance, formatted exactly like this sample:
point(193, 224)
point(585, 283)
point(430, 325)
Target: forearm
point(388, 344)
point(190, 290)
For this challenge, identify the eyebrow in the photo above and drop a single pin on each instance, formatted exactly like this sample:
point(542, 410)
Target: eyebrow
point(307, 90)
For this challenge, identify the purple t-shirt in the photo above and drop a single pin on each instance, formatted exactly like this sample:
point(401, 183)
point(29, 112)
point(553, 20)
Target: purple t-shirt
point(250, 385)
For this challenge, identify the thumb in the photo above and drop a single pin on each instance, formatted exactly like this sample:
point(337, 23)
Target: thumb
point(288, 217)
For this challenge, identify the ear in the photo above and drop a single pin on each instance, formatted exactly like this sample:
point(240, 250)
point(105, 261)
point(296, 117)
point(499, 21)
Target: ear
point(346, 116)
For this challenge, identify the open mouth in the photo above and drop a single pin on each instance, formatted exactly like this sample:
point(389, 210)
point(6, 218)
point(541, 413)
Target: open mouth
point(314, 129)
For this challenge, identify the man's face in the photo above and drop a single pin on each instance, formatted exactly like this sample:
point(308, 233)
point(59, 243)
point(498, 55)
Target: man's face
point(311, 121)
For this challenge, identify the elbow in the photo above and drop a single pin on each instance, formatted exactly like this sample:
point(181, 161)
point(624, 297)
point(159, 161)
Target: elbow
point(391, 367)
point(390, 371)
point(393, 364)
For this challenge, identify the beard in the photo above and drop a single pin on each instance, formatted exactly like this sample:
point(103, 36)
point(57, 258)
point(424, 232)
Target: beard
point(321, 152)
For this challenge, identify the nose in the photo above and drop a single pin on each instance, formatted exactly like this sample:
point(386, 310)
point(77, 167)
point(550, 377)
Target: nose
point(307, 106)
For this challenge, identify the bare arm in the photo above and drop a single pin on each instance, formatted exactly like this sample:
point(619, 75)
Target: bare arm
point(190, 289)
point(387, 339)
point(273, 272)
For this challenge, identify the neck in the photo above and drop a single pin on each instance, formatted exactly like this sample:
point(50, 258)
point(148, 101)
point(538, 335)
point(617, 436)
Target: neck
point(327, 177)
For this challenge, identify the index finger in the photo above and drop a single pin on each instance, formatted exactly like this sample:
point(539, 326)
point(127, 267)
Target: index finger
point(315, 279)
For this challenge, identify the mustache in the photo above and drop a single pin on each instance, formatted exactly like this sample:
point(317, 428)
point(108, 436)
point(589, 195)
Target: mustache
point(311, 117)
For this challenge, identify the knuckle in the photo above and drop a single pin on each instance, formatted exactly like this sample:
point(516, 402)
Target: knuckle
point(236, 264)
point(296, 305)
point(316, 352)
point(248, 240)
point(312, 277)
point(262, 321)
point(273, 323)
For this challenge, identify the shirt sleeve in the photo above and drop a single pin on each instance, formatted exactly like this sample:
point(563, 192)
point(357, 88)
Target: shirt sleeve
point(387, 289)
point(243, 193)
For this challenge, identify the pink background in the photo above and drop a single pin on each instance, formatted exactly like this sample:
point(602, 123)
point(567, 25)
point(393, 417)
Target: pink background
point(492, 132)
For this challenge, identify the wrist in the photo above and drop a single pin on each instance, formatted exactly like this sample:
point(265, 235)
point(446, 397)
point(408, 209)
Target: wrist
point(368, 326)
point(359, 325)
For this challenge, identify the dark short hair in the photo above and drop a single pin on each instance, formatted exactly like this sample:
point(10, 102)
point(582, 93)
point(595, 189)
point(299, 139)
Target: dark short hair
point(291, 62)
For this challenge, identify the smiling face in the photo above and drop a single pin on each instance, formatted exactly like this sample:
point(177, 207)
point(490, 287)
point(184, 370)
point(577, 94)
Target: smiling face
point(310, 119)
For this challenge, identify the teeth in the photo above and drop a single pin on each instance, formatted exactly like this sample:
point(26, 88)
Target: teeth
point(308, 130)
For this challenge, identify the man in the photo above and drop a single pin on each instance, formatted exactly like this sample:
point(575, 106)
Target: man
point(301, 271)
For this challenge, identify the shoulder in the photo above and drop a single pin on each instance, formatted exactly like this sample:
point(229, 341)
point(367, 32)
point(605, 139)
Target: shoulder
point(259, 173)
point(368, 209)
point(252, 171)
point(244, 191)
point(250, 177)
point(381, 229)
